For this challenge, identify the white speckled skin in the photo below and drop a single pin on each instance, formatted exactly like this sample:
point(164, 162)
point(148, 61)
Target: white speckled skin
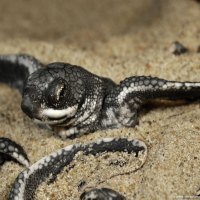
point(9, 148)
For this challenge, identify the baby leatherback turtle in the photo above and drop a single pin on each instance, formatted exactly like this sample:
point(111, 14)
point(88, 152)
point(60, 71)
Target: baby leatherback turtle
point(72, 101)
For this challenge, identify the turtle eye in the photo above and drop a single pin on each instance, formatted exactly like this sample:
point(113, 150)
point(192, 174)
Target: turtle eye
point(58, 91)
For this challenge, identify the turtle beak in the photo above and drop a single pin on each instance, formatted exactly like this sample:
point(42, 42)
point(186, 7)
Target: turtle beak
point(28, 107)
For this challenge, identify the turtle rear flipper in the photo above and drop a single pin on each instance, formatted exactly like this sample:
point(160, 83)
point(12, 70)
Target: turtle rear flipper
point(15, 68)
point(10, 150)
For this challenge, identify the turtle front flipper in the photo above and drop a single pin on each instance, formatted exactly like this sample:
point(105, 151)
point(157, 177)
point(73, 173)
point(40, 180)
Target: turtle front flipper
point(11, 150)
point(15, 68)
point(128, 97)
point(146, 88)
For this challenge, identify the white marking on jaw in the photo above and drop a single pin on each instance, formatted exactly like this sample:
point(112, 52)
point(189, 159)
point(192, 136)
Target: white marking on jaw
point(53, 122)
point(50, 112)
point(37, 121)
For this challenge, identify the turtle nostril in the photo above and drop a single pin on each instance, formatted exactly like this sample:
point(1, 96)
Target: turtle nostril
point(27, 106)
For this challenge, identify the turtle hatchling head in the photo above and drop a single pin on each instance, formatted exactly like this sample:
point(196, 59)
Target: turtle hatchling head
point(53, 94)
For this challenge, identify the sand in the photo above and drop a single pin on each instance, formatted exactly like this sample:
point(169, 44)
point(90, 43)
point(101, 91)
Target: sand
point(116, 39)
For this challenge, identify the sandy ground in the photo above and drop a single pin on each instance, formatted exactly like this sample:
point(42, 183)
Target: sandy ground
point(117, 39)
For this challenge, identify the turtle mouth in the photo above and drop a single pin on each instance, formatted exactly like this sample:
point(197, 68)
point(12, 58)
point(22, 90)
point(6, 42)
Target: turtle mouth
point(55, 117)
point(54, 121)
